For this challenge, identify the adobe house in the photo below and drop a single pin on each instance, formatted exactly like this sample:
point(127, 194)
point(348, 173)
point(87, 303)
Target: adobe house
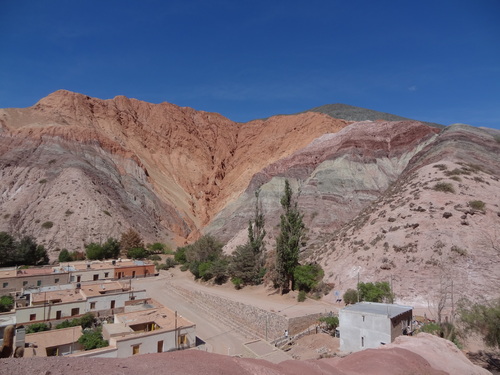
point(368, 324)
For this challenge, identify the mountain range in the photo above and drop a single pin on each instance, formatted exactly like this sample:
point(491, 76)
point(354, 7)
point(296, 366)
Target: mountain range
point(384, 198)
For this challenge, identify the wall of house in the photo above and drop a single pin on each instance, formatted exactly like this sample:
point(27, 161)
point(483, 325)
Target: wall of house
point(148, 341)
point(17, 283)
point(399, 323)
point(140, 271)
point(88, 275)
point(48, 311)
point(360, 331)
point(103, 302)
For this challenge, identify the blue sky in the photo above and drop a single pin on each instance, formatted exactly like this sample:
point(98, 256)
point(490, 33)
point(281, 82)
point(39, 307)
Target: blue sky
point(429, 60)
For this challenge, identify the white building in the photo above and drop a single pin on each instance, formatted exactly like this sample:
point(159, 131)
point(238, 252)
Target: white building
point(368, 325)
point(145, 327)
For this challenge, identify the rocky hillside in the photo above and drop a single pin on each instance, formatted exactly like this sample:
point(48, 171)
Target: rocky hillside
point(77, 169)
point(386, 200)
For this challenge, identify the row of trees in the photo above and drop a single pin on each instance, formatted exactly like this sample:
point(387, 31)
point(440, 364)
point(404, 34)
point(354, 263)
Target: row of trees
point(379, 291)
point(130, 244)
point(24, 251)
point(247, 265)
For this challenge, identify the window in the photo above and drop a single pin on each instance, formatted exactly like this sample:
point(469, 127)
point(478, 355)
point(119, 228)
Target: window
point(92, 305)
point(182, 339)
point(78, 279)
point(5, 285)
point(135, 349)
point(39, 282)
point(56, 281)
point(160, 346)
point(75, 311)
point(112, 304)
point(96, 277)
point(32, 317)
point(362, 342)
point(106, 274)
point(133, 273)
point(25, 283)
point(363, 318)
point(58, 314)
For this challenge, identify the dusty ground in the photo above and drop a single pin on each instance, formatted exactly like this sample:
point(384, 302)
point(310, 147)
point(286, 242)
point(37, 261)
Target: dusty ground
point(314, 346)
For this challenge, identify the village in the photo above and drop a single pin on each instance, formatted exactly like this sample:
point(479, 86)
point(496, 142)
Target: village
point(111, 296)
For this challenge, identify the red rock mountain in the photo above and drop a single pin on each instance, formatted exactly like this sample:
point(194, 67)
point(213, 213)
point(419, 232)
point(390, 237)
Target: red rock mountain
point(76, 169)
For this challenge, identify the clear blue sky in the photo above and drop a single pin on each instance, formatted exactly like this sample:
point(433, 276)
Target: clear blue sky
point(429, 60)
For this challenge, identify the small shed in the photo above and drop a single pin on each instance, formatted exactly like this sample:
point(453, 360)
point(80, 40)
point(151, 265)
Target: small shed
point(368, 324)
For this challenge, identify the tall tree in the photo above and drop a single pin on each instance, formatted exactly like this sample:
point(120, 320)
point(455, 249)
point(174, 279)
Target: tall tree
point(130, 240)
point(289, 241)
point(256, 231)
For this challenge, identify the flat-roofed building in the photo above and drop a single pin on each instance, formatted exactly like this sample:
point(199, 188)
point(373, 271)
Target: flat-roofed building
point(69, 301)
point(368, 325)
point(145, 327)
point(16, 280)
point(57, 342)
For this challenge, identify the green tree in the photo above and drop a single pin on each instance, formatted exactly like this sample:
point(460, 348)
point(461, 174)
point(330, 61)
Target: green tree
point(65, 256)
point(111, 248)
point(137, 253)
point(92, 339)
point(7, 250)
point(37, 327)
point(307, 277)
point(350, 296)
point(331, 322)
point(256, 232)
point(243, 265)
point(289, 241)
point(94, 251)
point(376, 292)
point(6, 303)
point(30, 253)
point(482, 318)
point(180, 255)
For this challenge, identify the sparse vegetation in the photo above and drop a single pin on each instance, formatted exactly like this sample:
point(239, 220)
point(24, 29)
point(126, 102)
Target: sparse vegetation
point(444, 187)
point(106, 212)
point(376, 292)
point(6, 303)
point(47, 225)
point(37, 327)
point(92, 339)
point(477, 205)
point(43, 181)
point(301, 297)
point(350, 296)
point(331, 323)
point(459, 250)
point(482, 318)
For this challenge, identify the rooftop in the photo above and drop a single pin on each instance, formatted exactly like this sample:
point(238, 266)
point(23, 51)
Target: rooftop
point(391, 310)
point(55, 337)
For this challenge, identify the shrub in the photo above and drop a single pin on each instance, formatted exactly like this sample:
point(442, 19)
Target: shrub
point(37, 327)
point(306, 277)
point(301, 297)
point(92, 339)
point(6, 303)
point(477, 205)
point(47, 225)
point(444, 187)
point(154, 257)
point(137, 253)
point(350, 296)
point(459, 250)
point(483, 319)
point(65, 256)
point(237, 282)
point(332, 322)
point(375, 292)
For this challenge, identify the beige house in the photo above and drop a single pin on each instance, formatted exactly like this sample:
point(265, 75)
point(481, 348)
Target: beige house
point(68, 301)
point(16, 280)
point(53, 343)
point(145, 327)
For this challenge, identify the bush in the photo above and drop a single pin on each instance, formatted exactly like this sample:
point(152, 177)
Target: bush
point(47, 225)
point(65, 256)
point(332, 322)
point(6, 303)
point(350, 296)
point(237, 282)
point(477, 205)
point(444, 187)
point(378, 292)
point(307, 277)
point(85, 321)
point(109, 250)
point(137, 253)
point(180, 255)
point(37, 327)
point(154, 257)
point(92, 339)
point(484, 319)
point(301, 297)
